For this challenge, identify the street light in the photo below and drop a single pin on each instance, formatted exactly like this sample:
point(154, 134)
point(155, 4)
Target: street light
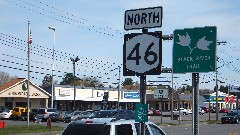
point(74, 61)
point(52, 28)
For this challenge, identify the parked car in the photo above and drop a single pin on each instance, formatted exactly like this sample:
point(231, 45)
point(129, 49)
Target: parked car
point(5, 114)
point(43, 113)
point(201, 111)
point(232, 117)
point(117, 114)
point(17, 112)
point(55, 117)
point(32, 114)
point(150, 112)
point(189, 111)
point(213, 110)
point(116, 127)
point(76, 115)
point(63, 114)
point(235, 110)
point(224, 110)
point(154, 112)
point(84, 114)
point(182, 111)
point(205, 109)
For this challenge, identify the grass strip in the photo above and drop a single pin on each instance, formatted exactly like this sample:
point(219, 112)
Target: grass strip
point(9, 130)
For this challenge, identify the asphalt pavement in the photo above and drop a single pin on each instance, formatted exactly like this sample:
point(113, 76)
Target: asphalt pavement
point(165, 122)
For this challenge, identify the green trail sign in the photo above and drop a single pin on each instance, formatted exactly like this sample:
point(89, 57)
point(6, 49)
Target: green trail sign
point(141, 113)
point(194, 50)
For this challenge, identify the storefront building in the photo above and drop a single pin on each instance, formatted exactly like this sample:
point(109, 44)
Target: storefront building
point(90, 98)
point(225, 101)
point(12, 95)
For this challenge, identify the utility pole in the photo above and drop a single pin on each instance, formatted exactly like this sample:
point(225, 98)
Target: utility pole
point(74, 79)
point(28, 82)
point(53, 28)
point(119, 81)
point(216, 87)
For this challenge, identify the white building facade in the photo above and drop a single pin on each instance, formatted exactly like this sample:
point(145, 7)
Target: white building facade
point(90, 98)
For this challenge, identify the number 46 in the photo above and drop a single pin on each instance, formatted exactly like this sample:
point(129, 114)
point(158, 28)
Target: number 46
point(146, 56)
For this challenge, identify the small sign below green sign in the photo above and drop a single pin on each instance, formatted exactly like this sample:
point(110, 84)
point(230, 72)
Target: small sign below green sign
point(194, 50)
point(141, 113)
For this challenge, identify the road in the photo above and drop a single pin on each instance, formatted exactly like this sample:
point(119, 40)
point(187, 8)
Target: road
point(206, 129)
point(174, 128)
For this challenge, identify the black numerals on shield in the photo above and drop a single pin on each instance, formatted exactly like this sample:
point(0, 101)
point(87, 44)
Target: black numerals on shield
point(137, 57)
point(148, 53)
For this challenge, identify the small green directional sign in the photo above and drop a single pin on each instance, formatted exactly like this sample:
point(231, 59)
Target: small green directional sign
point(141, 113)
point(194, 50)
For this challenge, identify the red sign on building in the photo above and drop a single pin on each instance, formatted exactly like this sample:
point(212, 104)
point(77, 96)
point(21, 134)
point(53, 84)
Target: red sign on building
point(230, 99)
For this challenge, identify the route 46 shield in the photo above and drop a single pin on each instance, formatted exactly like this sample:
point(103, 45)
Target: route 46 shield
point(142, 54)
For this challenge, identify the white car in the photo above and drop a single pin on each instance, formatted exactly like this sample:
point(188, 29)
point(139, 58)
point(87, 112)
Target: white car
point(110, 127)
point(5, 114)
point(182, 111)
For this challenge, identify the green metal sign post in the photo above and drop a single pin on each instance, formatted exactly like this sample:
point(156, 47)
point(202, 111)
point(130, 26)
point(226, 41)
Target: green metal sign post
point(194, 50)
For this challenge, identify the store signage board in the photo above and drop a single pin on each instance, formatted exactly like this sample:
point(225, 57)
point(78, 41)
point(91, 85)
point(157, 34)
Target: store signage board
point(235, 88)
point(160, 93)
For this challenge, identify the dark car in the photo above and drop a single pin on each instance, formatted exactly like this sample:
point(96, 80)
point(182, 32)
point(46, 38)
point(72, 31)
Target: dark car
point(76, 115)
point(214, 109)
point(232, 117)
point(205, 109)
point(117, 114)
point(63, 114)
point(55, 116)
point(224, 110)
point(43, 113)
point(32, 114)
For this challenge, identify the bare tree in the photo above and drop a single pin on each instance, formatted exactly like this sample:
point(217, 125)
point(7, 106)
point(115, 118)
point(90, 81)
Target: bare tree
point(5, 77)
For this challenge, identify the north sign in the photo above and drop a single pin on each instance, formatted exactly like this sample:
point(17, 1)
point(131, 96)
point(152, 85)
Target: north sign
point(194, 50)
point(142, 54)
point(143, 18)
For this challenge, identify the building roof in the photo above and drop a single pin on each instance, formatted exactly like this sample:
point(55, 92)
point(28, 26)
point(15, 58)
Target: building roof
point(10, 84)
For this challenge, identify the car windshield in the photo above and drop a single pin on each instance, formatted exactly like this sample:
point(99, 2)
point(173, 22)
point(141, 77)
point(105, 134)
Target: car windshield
point(87, 129)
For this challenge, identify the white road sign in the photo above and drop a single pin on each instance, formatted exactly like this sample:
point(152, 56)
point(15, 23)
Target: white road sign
point(160, 93)
point(143, 18)
point(142, 54)
point(235, 88)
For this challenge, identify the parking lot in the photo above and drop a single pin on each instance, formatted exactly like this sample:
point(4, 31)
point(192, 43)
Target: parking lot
point(168, 125)
point(185, 119)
